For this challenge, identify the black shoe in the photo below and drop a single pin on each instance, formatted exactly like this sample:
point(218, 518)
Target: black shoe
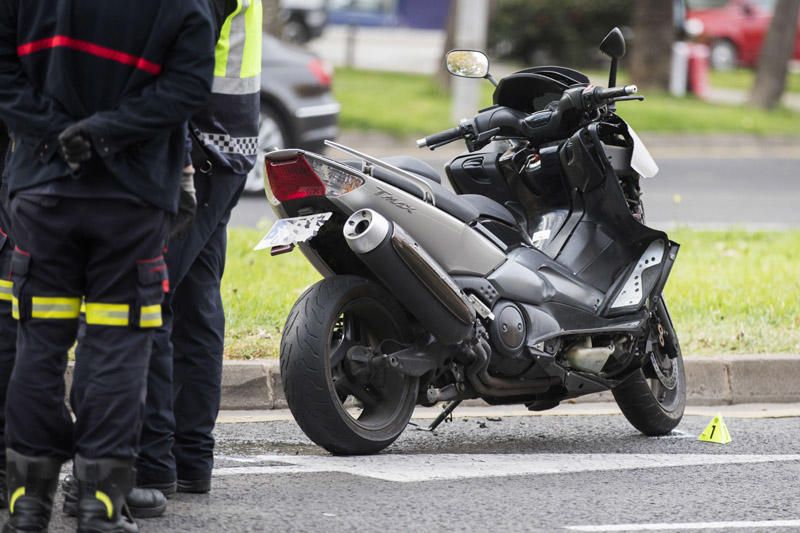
point(146, 503)
point(142, 502)
point(167, 489)
point(102, 486)
point(195, 486)
point(32, 483)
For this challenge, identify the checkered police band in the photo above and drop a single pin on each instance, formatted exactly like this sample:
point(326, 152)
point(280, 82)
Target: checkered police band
point(246, 146)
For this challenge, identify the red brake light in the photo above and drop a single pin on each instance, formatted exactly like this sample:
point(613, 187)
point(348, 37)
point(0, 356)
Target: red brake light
point(293, 179)
point(319, 71)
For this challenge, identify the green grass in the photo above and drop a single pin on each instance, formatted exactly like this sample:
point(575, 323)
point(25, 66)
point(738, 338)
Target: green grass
point(258, 291)
point(742, 79)
point(665, 114)
point(400, 104)
point(730, 292)
point(737, 291)
point(410, 104)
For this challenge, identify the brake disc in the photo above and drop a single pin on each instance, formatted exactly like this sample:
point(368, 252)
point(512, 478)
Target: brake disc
point(668, 381)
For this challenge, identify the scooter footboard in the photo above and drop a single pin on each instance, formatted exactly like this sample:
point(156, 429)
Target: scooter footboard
point(643, 280)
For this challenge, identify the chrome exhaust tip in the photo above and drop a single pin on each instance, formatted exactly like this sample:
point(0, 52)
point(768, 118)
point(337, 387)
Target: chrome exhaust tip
point(365, 230)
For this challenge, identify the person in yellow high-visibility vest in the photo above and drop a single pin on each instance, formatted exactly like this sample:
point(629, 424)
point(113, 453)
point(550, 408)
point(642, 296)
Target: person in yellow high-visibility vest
point(185, 375)
point(178, 451)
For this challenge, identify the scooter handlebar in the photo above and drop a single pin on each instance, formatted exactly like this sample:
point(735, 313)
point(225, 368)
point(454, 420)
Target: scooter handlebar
point(443, 137)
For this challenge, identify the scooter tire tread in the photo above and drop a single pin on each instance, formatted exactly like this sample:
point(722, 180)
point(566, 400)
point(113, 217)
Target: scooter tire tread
point(642, 409)
point(304, 374)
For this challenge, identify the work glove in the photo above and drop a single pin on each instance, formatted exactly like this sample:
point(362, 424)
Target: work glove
point(75, 145)
point(187, 206)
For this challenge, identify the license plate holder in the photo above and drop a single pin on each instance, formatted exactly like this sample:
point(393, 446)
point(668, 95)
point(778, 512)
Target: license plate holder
point(290, 231)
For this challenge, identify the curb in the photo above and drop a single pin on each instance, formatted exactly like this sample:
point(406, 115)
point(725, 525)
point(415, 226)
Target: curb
point(714, 380)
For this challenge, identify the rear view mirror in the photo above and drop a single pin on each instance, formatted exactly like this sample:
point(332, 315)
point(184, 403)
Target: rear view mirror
point(614, 44)
point(468, 64)
point(614, 47)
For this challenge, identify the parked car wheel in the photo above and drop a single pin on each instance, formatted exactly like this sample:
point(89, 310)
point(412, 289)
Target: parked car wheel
point(295, 31)
point(724, 55)
point(272, 134)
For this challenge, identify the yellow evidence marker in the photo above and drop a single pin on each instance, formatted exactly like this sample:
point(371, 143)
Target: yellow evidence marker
point(716, 431)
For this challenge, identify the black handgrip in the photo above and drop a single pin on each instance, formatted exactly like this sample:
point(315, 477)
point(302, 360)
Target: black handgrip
point(616, 92)
point(441, 138)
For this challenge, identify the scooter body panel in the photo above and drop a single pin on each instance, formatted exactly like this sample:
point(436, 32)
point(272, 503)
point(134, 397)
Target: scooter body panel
point(458, 248)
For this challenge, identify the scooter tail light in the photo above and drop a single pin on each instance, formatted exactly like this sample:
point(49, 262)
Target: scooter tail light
point(293, 179)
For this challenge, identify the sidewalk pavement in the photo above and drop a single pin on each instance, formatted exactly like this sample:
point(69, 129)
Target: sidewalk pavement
point(712, 380)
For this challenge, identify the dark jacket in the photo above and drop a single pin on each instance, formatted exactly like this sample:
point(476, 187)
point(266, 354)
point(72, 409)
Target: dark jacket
point(227, 127)
point(136, 70)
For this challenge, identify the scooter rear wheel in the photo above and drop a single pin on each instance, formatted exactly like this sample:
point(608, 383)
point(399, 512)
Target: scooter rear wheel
point(339, 400)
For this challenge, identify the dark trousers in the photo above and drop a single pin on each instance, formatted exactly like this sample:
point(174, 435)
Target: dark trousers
point(8, 325)
point(109, 254)
point(185, 377)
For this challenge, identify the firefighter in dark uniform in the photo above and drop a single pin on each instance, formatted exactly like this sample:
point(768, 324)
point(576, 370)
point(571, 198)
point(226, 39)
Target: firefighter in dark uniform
point(8, 325)
point(183, 399)
point(95, 98)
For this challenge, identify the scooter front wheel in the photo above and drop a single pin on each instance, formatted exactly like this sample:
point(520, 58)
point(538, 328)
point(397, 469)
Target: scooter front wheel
point(339, 399)
point(653, 399)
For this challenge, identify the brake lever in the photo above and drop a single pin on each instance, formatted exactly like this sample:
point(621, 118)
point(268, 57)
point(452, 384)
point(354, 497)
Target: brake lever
point(629, 98)
point(476, 142)
point(439, 145)
point(487, 135)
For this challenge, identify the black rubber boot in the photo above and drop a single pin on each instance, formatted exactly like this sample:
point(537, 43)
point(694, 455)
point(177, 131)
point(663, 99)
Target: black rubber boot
point(32, 483)
point(142, 502)
point(103, 485)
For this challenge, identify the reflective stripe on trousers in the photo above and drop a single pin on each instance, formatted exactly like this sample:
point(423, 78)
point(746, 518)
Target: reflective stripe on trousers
point(102, 314)
point(50, 307)
point(97, 314)
point(6, 290)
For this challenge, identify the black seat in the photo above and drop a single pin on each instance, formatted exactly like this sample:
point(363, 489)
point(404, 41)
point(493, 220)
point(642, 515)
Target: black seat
point(465, 207)
point(417, 166)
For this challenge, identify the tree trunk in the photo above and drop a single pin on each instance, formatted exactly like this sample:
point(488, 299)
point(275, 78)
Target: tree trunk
point(449, 43)
point(273, 24)
point(773, 62)
point(651, 50)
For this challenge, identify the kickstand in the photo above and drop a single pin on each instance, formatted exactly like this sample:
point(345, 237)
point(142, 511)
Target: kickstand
point(446, 414)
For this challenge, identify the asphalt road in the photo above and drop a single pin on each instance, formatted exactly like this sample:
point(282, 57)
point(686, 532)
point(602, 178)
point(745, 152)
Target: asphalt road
point(502, 473)
point(700, 190)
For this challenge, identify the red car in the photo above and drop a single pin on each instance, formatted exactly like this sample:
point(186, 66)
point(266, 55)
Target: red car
point(735, 29)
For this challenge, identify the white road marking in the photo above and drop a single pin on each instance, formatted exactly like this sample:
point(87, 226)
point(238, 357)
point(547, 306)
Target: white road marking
point(430, 467)
point(766, 524)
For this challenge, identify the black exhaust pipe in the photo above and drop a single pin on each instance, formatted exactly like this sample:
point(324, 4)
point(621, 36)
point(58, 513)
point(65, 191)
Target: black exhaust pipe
point(411, 275)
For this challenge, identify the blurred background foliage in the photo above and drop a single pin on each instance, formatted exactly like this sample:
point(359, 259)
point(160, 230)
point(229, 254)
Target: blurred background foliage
point(555, 31)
